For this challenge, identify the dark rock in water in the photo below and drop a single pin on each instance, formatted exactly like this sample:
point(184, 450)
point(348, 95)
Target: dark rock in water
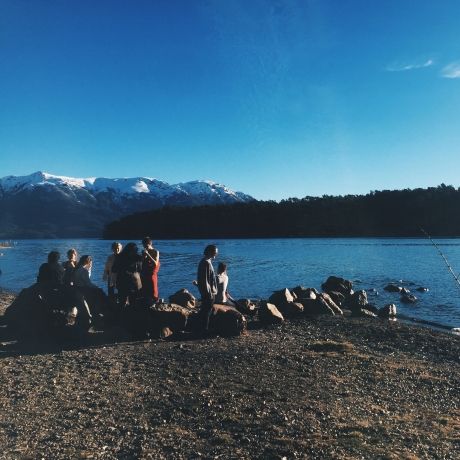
point(337, 297)
point(281, 297)
point(363, 312)
point(408, 298)
point(304, 293)
point(246, 307)
point(357, 300)
point(392, 288)
point(388, 311)
point(405, 290)
point(422, 289)
point(161, 316)
point(226, 321)
point(269, 314)
point(334, 283)
point(184, 298)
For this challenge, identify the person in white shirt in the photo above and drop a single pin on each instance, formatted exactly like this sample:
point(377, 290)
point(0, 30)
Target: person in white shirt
point(223, 297)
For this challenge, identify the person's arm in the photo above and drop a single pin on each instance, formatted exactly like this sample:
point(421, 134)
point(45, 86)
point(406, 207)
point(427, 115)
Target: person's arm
point(155, 258)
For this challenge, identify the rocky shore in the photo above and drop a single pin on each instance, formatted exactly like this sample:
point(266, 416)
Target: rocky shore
point(311, 387)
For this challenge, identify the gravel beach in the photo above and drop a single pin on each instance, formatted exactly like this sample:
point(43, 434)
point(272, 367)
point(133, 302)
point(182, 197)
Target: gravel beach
point(332, 387)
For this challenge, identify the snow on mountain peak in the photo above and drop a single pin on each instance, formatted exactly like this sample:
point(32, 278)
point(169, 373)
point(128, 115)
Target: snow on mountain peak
point(203, 189)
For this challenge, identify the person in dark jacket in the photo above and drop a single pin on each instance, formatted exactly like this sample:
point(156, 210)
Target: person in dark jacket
point(95, 297)
point(50, 280)
point(207, 284)
point(69, 266)
point(128, 266)
point(51, 273)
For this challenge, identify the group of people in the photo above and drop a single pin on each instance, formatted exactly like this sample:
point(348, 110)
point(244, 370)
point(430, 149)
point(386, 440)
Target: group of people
point(131, 275)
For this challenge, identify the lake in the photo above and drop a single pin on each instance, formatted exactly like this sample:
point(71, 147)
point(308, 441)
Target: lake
point(257, 267)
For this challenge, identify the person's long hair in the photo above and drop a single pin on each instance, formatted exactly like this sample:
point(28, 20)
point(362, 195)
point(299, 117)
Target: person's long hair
point(84, 260)
point(129, 254)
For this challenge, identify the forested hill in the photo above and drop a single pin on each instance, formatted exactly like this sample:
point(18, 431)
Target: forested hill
point(381, 213)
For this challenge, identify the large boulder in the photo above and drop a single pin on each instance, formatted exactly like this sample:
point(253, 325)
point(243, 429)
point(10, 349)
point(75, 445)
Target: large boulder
point(269, 314)
point(290, 309)
point(281, 297)
point(226, 321)
point(337, 284)
point(285, 302)
point(322, 305)
point(166, 316)
point(357, 300)
point(337, 297)
point(326, 299)
point(34, 314)
point(184, 298)
point(303, 293)
point(246, 306)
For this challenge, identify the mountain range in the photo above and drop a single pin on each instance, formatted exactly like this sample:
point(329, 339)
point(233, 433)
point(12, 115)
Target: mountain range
point(43, 205)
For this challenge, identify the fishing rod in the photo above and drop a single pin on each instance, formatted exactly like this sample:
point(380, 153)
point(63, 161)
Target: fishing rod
point(456, 277)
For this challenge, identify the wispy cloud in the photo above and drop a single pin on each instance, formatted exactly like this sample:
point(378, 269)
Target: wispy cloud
point(451, 70)
point(398, 67)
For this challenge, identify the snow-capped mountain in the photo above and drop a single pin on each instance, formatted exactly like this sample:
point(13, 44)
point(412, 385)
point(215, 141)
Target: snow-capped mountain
point(43, 204)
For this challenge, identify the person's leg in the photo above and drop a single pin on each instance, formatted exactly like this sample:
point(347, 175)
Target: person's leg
point(205, 312)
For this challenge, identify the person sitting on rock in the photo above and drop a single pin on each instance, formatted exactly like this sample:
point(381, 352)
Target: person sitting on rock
point(50, 281)
point(108, 274)
point(94, 295)
point(207, 285)
point(69, 266)
point(223, 297)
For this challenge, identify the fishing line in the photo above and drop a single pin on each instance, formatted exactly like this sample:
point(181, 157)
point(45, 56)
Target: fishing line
point(456, 277)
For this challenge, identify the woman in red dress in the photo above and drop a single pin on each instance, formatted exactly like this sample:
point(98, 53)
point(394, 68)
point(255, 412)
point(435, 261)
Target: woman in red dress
point(150, 268)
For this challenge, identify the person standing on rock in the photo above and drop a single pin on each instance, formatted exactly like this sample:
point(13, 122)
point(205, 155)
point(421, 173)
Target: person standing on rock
point(150, 268)
point(207, 284)
point(128, 267)
point(108, 274)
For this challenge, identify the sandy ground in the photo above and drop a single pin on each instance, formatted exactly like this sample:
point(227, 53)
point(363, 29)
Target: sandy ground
point(331, 387)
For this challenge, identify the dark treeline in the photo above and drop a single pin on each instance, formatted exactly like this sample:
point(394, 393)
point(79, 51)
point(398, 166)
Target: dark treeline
point(382, 213)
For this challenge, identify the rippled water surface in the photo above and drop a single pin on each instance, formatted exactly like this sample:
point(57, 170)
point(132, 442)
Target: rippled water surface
point(257, 267)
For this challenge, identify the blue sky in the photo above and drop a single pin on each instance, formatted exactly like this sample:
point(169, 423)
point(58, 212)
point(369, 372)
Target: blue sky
point(273, 98)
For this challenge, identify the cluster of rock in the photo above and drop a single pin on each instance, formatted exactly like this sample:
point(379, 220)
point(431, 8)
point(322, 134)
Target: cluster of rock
point(181, 313)
point(337, 295)
point(406, 296)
